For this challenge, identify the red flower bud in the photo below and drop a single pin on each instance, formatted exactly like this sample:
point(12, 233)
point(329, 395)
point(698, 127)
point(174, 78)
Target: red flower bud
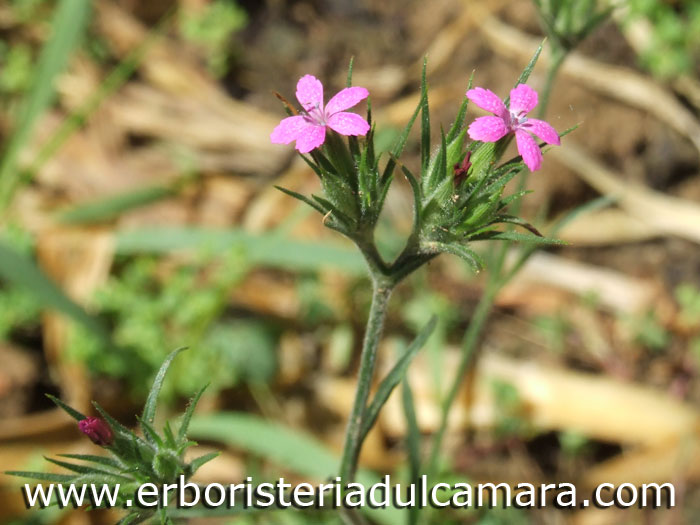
point(460, 171)
point(97, 430)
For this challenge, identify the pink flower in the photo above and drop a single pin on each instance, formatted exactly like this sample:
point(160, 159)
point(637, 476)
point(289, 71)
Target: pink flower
point(99, 432)
point(309, 129)
point(490, 129)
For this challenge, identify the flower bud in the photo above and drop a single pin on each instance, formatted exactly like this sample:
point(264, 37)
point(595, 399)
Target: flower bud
point(97, 430)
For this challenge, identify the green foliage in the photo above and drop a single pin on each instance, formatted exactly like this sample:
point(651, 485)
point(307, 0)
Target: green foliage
point(68, 26)
point(554, 329)
point(573, 443)
point(674, 47)
point(648, 331)
point(688, 297)
point(15, 68)
point(211, 28)
point(510, 410)
point(152, 307)
point(568, 22)
point(395, 376)
point(291, 449)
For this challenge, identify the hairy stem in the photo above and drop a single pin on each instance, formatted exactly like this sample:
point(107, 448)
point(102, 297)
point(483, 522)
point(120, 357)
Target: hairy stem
point(375, 323)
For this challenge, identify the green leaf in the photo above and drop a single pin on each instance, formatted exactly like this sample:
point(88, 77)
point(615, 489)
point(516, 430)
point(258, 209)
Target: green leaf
point(588, 207)
point(522, 79)
point(510, 219)
point(425, 120)
point(264, 249)
point(398, 148)
point(102, 460)
point(114, 80)
point(518, 237)
point(67, 29)
point(44, 476)
point(417, 206)
point(295, 450)
point(86, 469)
point(334, 212)
point(113, 207)
point(70, 410)
point(122, 433)
point(348, 82)
point(394, 377)
point(150, 433)
point(458, 124)
point(182, 432)
point(413, 439)
point(461, 251)
point(21, 271)
point(149, 410)
point(196, 463)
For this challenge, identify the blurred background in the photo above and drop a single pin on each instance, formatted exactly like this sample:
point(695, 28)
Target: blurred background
point(138, 215)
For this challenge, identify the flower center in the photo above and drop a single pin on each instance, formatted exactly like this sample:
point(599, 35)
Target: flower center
point(316, 115)
point(517, 119)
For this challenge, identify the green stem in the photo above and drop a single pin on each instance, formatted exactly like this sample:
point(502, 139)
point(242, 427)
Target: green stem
point(471, 337)
point(381, 292)
point(557, 59)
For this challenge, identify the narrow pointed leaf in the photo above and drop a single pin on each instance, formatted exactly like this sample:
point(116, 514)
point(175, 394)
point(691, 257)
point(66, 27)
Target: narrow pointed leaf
point(395, 376)
point(19, 270)
point(196, 463)
point(302, 198)
point(71, 411)
point(518, 237)
point(149, 410)
point(44, 476)
point(525, 75)
point(417, 206)
point(425, 121)
point(150, 433)
point(187, 417)
point(413, 439)
point(468, 255)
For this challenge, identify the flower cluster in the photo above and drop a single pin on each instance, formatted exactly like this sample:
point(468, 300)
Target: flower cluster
point(309, 129)
point(458, 194)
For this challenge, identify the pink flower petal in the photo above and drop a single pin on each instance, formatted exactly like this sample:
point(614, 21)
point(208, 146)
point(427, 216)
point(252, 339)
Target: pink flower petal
point(487, 129)
point(310, 92)
point(542, 130)
point(522, 99)
point(311, 138)
point(487, 100)
point(291, 128)
point(345, 99)
point(348, 124)
point(528, 149)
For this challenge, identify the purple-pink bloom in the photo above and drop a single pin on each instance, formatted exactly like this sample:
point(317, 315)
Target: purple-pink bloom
point(309, 128)
point(99, 432)
point(490, 129)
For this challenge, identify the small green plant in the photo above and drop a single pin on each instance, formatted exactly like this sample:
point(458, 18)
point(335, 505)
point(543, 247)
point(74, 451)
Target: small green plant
point(151, 305)
point(674, 47)
point(152, 457)
point(647, 330)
